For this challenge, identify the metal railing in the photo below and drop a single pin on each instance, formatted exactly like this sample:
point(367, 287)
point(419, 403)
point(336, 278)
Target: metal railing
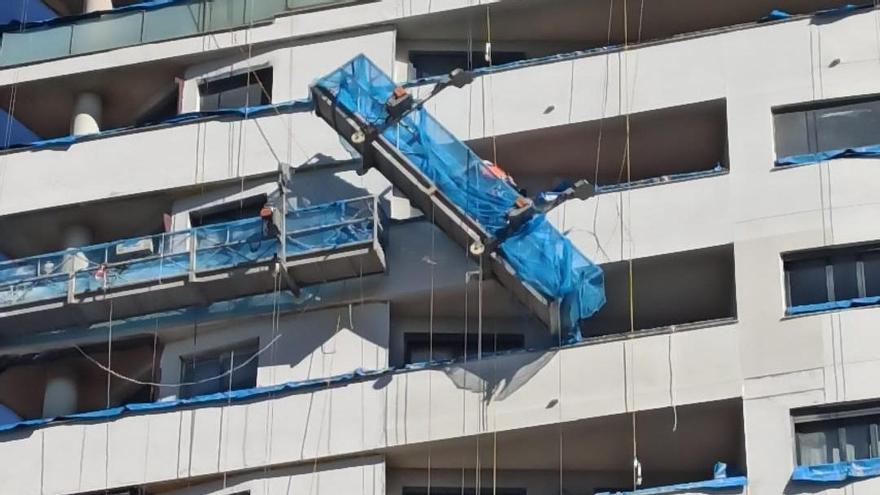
point(176, 255)
point(133, 26)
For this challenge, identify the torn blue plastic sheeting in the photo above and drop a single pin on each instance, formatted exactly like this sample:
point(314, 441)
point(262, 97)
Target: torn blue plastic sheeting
point(833, 305)
point(872, 151)
point(550, 263)
point(843, 10)
point(244, 113)
point(362, 88)
point(217, 398)
point(775, 15)
point(697, 486)
point(719, 481)
point(838, 472)
point(538, 253)
point(242, 395)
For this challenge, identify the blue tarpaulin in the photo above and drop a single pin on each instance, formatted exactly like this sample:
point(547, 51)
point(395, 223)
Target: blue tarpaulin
point(550, 263)
point(777, 14)
point(720, 481)
point(838, 472)
point(539, 254)
point(832, 305)
point(166, 256)
point(872, 151)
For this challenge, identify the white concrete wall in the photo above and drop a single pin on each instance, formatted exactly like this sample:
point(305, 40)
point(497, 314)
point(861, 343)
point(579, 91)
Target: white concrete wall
point(312, 345)
point(388, 411)
point(356, 476)
point(784, 363)
point(198, 153)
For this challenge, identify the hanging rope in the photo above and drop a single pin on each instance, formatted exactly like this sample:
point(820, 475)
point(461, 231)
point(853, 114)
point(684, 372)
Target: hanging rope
point(179, 384)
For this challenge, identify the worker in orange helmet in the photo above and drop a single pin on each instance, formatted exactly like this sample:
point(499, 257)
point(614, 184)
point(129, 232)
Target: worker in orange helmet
point(495, 171)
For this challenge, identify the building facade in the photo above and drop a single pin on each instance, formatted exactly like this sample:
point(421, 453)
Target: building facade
point(159, 335)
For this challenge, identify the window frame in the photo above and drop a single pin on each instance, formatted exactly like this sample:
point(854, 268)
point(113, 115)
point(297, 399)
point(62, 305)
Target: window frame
point(828, 255)
point(832, 413)
point(503, 57)
point(216, 353)
point(253, 202)
point(808, 109)
point(450, 338)
point(208, 87)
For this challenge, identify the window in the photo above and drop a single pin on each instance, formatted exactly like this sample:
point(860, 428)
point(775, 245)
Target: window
point(439, 63)
point(831, 435)
point(839, 274)
point(241, 90)
point(827, 126)
point(420, 347)
point(212, 364)
point(443, 490)
point(228, 212)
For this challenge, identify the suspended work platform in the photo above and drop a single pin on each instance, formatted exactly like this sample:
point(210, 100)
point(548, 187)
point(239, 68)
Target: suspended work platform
point(193, 267)
point(462, 195)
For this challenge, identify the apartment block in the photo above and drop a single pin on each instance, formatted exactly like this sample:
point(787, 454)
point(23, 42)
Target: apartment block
point(439, 247)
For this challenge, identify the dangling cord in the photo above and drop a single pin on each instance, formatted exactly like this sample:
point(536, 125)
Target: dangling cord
point(109, 381)
point(432, 263)
point(13, 93)
point(154, 390)
point(628, 163)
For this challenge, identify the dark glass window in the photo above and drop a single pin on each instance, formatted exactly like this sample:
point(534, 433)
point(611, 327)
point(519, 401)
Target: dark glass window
point(241, 90)
point(871, 269)
point(807, 282)
point(421, 347)
point(846, 277)
point(438, 63)
point(229, 212)
point(839, 274)
point(212, 364)
point(824, 441)
point(827, 126)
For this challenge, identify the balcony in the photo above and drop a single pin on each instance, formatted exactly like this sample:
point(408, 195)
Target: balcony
point(323, 243)
point(520, 396)
point(133, 25)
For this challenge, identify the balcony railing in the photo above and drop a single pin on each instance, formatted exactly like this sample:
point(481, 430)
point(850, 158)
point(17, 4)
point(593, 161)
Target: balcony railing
point(175, 255)
point(141, 24)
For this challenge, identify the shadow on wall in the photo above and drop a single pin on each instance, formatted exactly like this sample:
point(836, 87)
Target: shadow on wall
point(800, 487)
point(498, 377)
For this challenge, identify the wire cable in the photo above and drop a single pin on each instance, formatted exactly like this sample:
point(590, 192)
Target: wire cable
point(179, 384)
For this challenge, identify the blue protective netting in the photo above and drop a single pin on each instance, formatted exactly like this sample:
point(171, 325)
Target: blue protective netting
point(165, 256)
point(550, 263)
point(539, 254)
point(362, 88)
